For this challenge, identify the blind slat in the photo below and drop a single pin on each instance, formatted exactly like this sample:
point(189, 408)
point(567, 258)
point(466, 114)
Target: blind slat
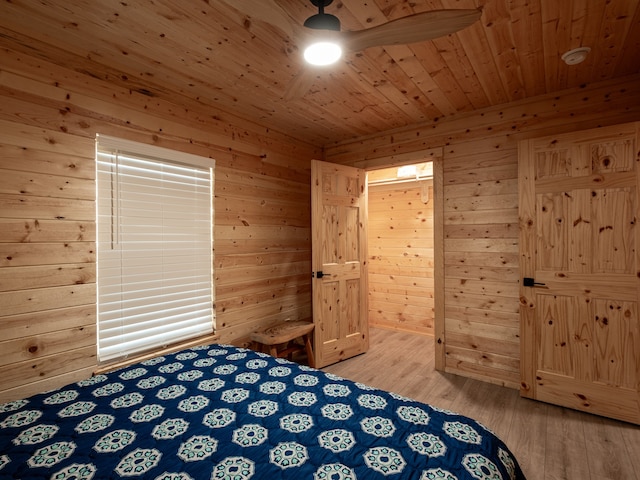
point(146, 323)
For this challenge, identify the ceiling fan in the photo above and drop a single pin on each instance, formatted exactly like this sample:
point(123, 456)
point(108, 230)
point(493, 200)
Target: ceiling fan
point(418, 27)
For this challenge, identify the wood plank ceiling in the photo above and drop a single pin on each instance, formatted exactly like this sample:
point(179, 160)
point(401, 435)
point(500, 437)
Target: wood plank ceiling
point(241, 56)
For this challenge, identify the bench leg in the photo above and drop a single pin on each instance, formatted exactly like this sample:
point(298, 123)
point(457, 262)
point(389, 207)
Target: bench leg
point(307, 344)
point(273, 350)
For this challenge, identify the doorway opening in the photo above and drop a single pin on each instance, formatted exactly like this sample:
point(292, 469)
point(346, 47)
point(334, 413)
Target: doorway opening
point(401, 248)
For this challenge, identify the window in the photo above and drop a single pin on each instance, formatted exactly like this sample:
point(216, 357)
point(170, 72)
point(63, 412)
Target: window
point(155, 247)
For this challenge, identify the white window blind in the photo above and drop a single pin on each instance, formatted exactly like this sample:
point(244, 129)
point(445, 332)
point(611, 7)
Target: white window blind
point(155, 247)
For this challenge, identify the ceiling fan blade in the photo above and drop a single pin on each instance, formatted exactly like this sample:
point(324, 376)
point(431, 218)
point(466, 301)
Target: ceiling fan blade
point(300, 85)
point(411, 29)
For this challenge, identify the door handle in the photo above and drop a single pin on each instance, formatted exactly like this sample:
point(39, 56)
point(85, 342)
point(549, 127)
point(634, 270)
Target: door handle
point(530, 282)
point(319, 274)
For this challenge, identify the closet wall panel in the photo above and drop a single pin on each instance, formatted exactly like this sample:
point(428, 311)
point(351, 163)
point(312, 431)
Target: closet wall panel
point(401, 293)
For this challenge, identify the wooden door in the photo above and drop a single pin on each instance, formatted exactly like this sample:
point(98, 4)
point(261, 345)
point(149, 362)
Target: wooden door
point(340, 291)
point(579, 242)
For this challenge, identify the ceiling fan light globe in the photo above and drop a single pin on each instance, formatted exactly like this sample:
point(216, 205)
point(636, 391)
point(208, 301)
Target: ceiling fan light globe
point(323, 53)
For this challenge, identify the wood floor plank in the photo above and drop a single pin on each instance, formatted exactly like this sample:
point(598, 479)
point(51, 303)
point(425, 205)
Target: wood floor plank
point(566, 455)
point(527, 437)
point(490, 405)
point(550, 442)
point(606, 450)
point(631, 435)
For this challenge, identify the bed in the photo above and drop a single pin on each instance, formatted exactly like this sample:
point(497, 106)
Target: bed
point(221, 412)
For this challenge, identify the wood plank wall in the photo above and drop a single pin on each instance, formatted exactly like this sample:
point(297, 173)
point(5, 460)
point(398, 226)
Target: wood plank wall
point(480, 324)
point(48, 120)
point(481, 277)
point(401, 256)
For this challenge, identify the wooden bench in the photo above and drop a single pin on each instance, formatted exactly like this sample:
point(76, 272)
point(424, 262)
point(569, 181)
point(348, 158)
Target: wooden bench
point(281, 339)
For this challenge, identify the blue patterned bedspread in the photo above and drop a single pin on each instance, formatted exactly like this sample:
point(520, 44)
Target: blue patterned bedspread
point(220, 412)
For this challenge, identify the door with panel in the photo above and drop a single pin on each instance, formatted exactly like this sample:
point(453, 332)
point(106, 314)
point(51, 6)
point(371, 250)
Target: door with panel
point(580, 246)
point(339, 261)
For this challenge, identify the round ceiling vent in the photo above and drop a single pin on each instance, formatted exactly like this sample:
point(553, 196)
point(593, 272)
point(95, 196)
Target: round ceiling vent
point(575, 56)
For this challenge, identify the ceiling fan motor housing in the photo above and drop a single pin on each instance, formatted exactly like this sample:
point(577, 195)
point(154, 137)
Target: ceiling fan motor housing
point(321, 20)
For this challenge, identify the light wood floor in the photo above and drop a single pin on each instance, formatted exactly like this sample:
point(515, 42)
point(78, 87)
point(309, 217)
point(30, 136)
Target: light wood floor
point(550, 442)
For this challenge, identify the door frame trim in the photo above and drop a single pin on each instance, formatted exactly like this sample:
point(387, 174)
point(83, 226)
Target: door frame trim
point(526, 238)
point(439, 334)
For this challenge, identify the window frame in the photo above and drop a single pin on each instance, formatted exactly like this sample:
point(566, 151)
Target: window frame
point(174, 160)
